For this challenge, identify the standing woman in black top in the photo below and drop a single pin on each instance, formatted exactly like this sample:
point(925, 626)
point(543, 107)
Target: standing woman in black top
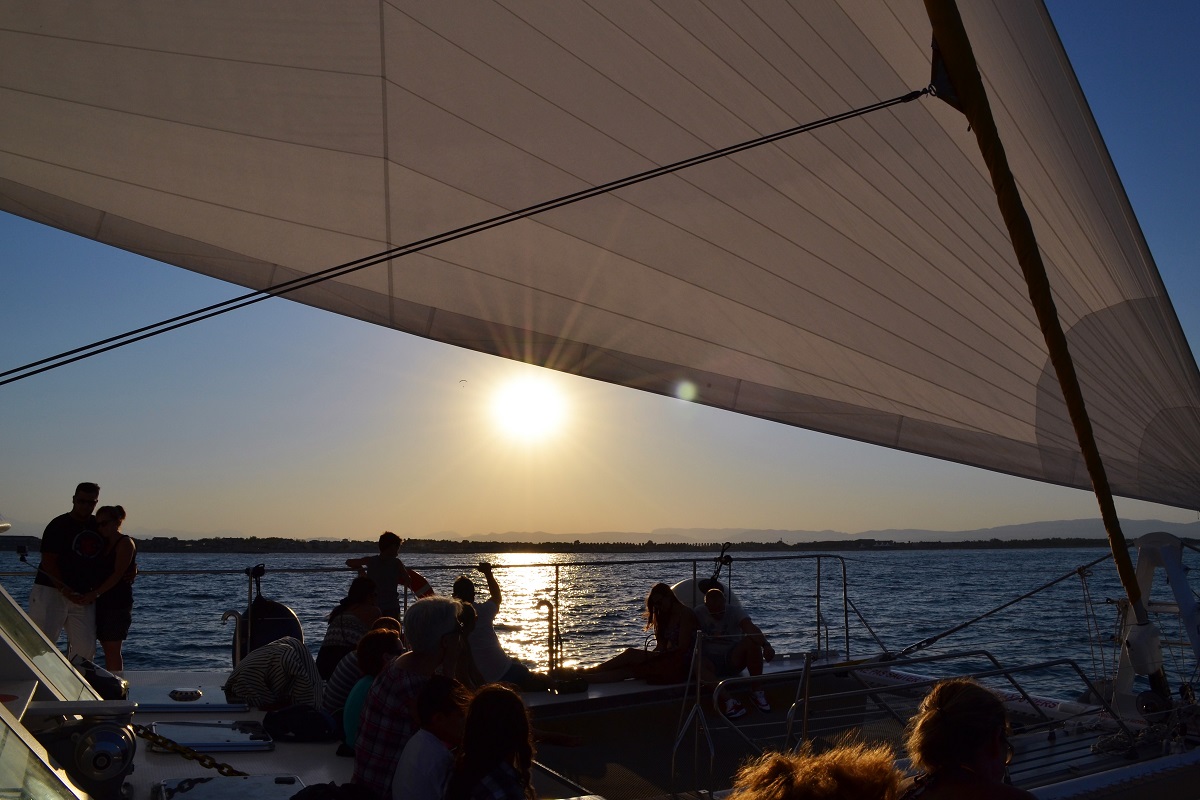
point(114, 596)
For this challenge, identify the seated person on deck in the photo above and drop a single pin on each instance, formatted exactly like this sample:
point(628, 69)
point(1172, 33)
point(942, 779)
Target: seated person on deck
point(674, 626)
point(278, 674)
point(348, 622)
point(959, 739)
point(496, 758)
point(434, 630)
point(732, 642)
point(376, 649)
point(428, 759)
point(492, 663)
point(347, 672)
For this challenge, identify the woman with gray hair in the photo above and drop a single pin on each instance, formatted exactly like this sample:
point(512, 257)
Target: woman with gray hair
point(435, 632)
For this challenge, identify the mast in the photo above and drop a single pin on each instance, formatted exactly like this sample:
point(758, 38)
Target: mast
point(950, 39)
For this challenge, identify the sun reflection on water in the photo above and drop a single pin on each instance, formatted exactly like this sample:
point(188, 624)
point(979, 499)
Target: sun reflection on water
point(523, 627)
point(600, 605)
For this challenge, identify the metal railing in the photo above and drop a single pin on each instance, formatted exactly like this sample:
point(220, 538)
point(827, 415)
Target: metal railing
point(826, 587)
point(886, 708)
point(801, 708)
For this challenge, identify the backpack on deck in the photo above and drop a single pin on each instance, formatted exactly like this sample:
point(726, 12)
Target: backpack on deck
point(300, 723)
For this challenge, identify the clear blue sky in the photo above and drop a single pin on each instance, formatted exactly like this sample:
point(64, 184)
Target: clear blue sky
point(285, 421)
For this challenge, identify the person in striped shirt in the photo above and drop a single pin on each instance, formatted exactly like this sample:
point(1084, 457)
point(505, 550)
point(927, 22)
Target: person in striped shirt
point(279, 674)
point(347, 673)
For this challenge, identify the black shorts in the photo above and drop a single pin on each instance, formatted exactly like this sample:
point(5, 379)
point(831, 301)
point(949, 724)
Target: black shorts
point(114, 616)
point(721, 663)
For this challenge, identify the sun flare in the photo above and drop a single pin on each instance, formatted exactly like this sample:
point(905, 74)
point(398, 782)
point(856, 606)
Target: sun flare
point(529, 409)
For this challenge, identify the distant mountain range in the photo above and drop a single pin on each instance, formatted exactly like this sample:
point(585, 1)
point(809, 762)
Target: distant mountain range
point(1061, 529)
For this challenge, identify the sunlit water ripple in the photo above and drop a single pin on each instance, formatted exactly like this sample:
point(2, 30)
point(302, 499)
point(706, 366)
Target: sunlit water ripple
point(905, 596)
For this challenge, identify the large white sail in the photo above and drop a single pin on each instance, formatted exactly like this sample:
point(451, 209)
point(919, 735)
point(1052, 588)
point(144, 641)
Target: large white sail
point(856, 280)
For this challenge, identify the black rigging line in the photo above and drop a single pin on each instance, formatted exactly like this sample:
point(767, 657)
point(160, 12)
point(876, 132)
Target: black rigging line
point(113, 342)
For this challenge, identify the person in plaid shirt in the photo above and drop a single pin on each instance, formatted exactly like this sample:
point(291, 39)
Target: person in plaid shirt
point(435, 634)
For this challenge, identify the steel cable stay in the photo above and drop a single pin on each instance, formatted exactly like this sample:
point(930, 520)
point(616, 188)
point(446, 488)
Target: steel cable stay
point(1100, 666)
point(867, 625)
point(922, 644)
point(111, 343)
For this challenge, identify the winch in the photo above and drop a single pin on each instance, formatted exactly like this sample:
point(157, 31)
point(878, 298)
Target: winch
point(92, 741)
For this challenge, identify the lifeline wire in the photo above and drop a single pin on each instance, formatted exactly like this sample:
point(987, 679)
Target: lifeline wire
point(113, 342)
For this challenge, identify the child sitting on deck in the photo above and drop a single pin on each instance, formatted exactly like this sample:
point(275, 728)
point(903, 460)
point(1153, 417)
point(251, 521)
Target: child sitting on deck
point(375, 650)
point(497, 750)
point(428, 758)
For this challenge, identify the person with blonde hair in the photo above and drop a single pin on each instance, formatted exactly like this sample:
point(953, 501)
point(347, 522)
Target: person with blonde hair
point(848, 771)
point(959, 741)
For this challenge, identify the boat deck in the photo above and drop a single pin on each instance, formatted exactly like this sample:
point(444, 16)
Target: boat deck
point(646, 725)
point(311, 763)
point(632, 740)
point(274, 774)
point(629, 731)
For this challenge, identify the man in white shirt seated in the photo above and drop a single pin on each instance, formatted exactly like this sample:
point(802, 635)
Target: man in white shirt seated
point(732, 642)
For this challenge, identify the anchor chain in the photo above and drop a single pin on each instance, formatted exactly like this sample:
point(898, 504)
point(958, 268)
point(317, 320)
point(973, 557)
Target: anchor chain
point(203, 759)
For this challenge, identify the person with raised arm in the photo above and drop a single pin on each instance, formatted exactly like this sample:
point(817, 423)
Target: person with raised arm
point(492, 663)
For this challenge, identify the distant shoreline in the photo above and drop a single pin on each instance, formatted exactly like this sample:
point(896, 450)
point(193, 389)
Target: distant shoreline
point(441, 546)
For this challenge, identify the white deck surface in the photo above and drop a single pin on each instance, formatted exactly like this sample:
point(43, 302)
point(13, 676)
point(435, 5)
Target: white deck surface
point(312, 763)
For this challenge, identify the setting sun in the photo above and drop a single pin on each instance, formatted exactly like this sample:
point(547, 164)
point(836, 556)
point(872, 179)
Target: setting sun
point(528, 409)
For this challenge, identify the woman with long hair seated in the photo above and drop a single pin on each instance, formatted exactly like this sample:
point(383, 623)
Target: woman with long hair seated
point(674, 626)
point(496, 757)
point(959, 741)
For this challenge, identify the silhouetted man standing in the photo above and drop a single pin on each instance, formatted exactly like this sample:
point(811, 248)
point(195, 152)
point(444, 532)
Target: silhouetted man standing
point(50, 606)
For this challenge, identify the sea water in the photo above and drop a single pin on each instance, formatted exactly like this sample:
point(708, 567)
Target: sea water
point(890, 599)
